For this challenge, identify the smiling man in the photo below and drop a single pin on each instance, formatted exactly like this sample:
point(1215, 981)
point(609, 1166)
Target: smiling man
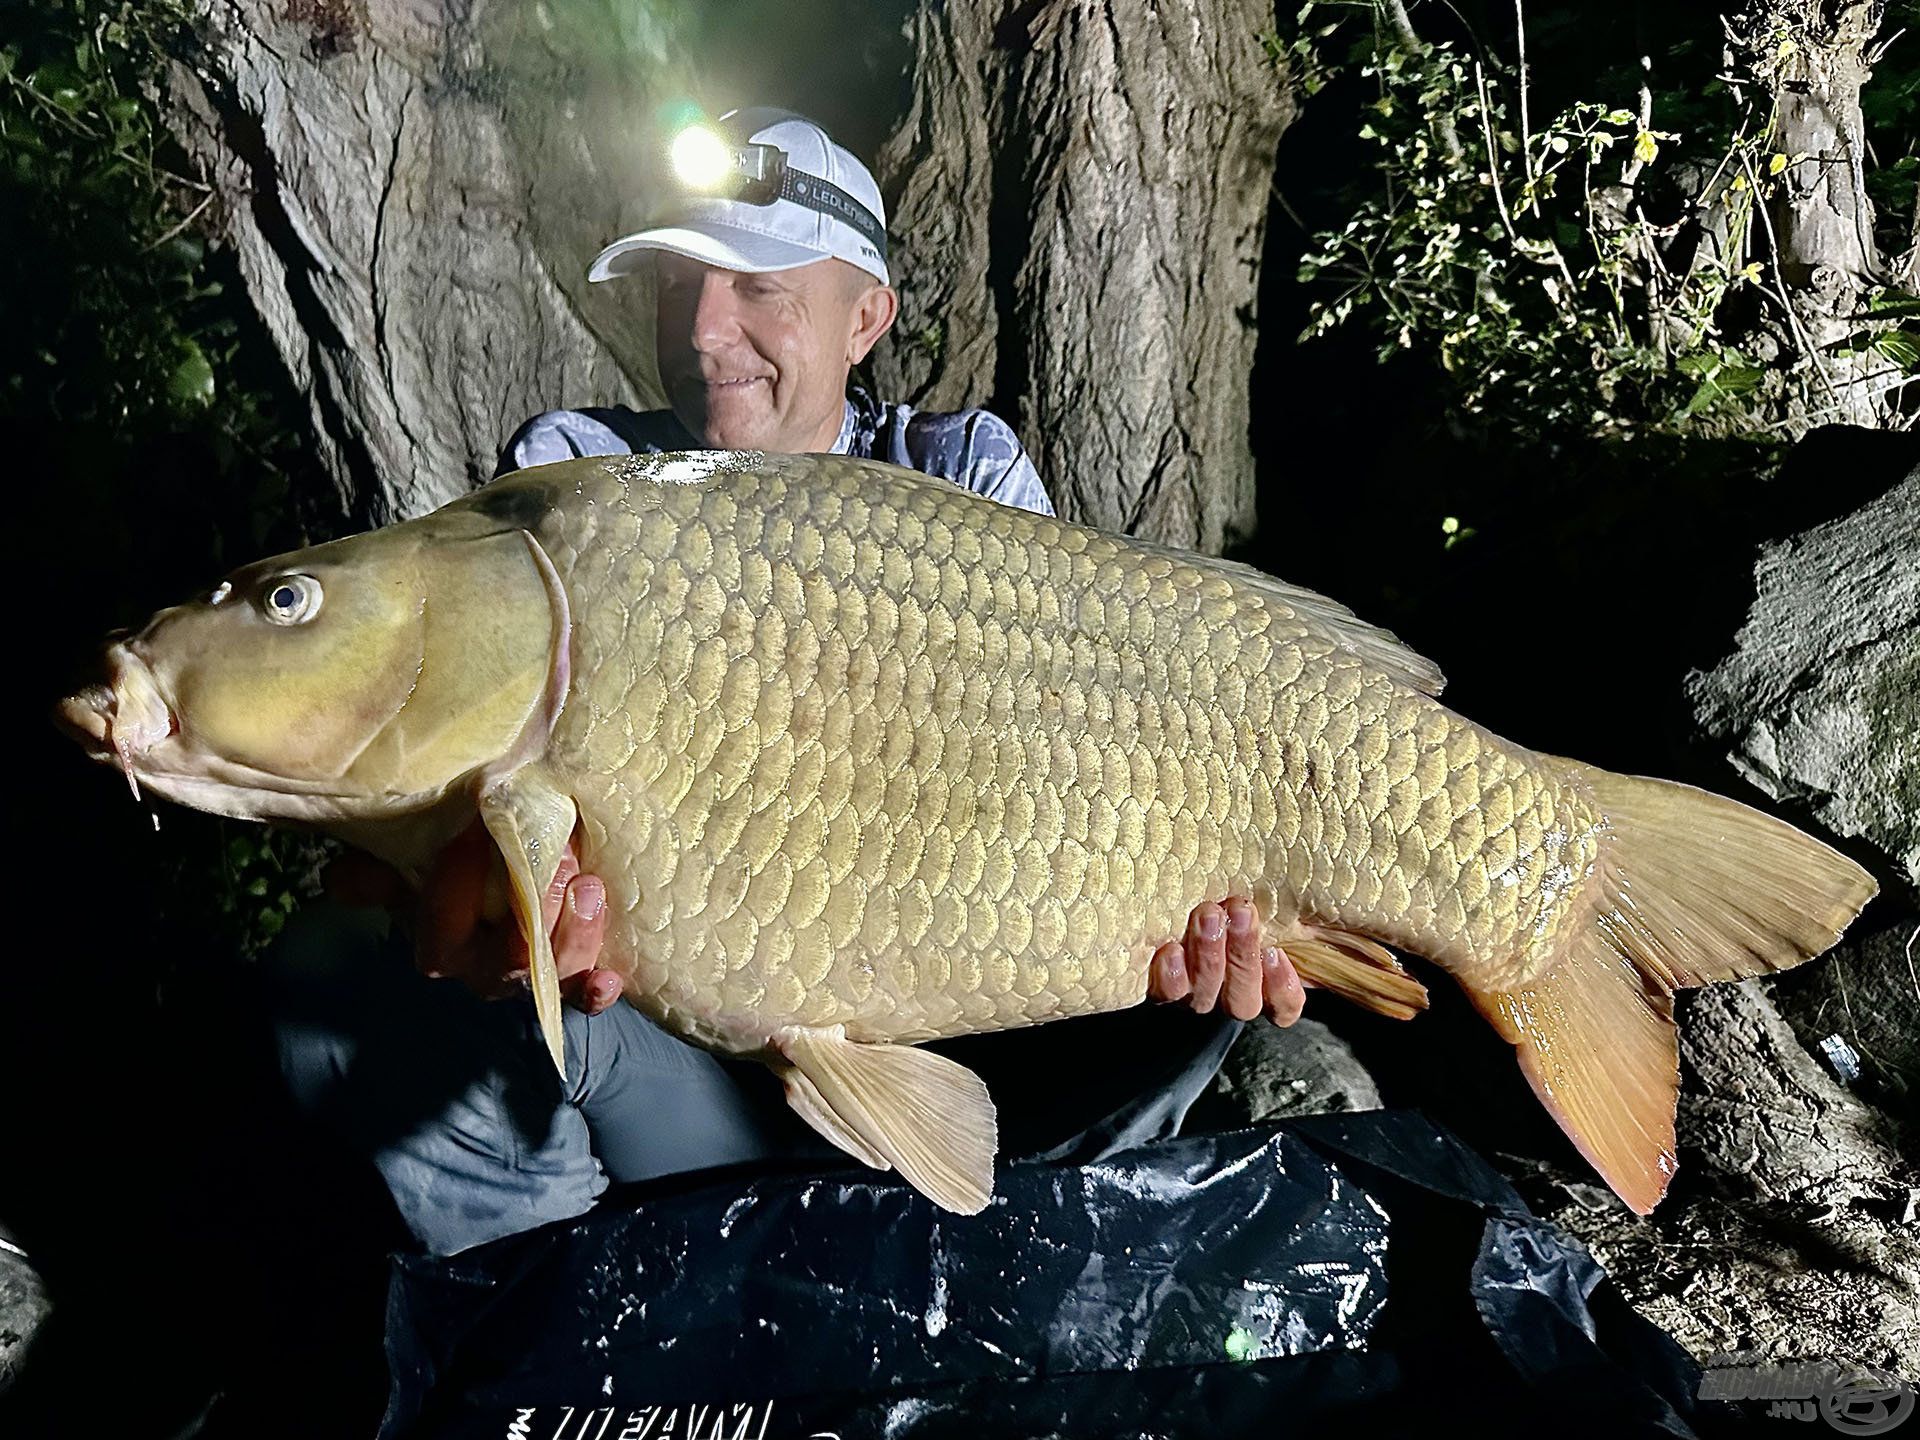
point(763, 309)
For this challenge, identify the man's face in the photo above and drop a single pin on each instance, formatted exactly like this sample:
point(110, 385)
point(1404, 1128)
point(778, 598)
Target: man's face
point(760, 362)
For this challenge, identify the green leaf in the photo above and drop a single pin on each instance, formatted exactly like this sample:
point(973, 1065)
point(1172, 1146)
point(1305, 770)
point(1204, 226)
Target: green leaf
point(1900, 347)
point(1645, 147)
point(191, 382)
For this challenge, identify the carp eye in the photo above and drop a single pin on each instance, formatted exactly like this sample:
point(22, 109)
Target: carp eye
point(291, 599)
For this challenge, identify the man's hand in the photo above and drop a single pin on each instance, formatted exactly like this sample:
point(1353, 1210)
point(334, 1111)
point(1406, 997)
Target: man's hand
point(453, 937)
point(1222, 958)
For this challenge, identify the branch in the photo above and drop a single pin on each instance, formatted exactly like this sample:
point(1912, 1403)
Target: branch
point(1630, 172)
point(1396, 13)
point(1780, 289)
point(1526, 128)
point(1909, 267)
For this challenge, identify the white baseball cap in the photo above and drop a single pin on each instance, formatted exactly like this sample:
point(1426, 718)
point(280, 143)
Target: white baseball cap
point(810, 219)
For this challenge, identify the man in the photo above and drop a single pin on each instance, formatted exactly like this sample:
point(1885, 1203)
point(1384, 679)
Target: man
point(763, 311)
point(764, 306)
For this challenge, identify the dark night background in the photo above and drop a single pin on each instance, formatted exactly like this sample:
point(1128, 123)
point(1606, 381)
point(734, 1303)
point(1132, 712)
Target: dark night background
point(196, 1237)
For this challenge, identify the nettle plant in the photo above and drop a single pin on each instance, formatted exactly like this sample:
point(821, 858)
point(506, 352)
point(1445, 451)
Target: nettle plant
point(1562, 280)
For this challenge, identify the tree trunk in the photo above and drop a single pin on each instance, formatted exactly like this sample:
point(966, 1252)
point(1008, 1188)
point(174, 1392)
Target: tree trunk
point(1080, 193)
point(1812, 57)
point(413, 207)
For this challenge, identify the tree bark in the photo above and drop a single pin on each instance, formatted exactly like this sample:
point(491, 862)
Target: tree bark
point(1080, 192)
point(1812, 58)
point(414, 193)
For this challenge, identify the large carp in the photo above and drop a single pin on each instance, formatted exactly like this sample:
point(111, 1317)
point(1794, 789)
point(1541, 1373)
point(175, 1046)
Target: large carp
point(867, 760)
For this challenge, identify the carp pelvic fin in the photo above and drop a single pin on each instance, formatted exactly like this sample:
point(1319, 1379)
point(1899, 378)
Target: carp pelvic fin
point(531, 819)
point(928, 1118)
point(1694, 888)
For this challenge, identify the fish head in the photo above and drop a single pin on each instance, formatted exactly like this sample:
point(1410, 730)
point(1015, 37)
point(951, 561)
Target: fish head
point(346, 682)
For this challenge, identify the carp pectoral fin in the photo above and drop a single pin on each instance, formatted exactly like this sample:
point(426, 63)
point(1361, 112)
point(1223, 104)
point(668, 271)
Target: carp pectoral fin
point(931, 1119)
point(1357, 969)
point(530, 819)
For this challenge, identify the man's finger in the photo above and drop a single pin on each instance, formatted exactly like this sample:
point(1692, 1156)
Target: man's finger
point(1286, 994)
point(1241, 990)
point(1206, 950)
point(582, 925)
point(553, 902)
point(592, 990)
point(1167, 975)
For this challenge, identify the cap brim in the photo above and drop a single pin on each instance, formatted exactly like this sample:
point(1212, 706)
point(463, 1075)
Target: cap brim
point(721, 246)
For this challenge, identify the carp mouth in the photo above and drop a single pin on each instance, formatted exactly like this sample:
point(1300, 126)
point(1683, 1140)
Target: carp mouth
point(117, 722)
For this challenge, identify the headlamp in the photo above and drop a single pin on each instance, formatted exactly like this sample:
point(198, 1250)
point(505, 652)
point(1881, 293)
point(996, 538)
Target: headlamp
point(708, 163)
point(701, 159)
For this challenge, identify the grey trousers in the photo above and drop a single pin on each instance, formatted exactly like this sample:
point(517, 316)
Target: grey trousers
point(454, 1100)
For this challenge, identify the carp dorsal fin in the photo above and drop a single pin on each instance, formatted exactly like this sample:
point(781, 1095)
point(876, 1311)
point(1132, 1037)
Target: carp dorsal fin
point(929, 1118)
point(1375, 644)
point(531, 819)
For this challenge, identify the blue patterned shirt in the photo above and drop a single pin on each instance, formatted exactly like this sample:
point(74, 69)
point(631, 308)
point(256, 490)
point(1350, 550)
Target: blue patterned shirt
point(974, 449)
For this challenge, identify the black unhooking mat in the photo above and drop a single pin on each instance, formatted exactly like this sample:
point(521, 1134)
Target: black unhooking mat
point(1337, 1270)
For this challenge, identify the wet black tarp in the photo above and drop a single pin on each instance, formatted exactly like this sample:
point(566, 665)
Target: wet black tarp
point(1345, 1269)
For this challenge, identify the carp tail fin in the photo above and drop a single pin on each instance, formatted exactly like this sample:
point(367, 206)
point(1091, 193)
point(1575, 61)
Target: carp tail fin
point(1701, 888)
point(1696, 888)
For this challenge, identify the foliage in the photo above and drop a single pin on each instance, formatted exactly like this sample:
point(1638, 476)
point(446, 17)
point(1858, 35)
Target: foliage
point(1596, 270)
point(131, 385)
point(119, 316)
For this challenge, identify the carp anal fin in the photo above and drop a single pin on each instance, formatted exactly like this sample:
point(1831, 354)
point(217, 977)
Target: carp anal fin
point(1356, 969)
point(531, 819)
point(811, 1106)
point(927, 1117)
